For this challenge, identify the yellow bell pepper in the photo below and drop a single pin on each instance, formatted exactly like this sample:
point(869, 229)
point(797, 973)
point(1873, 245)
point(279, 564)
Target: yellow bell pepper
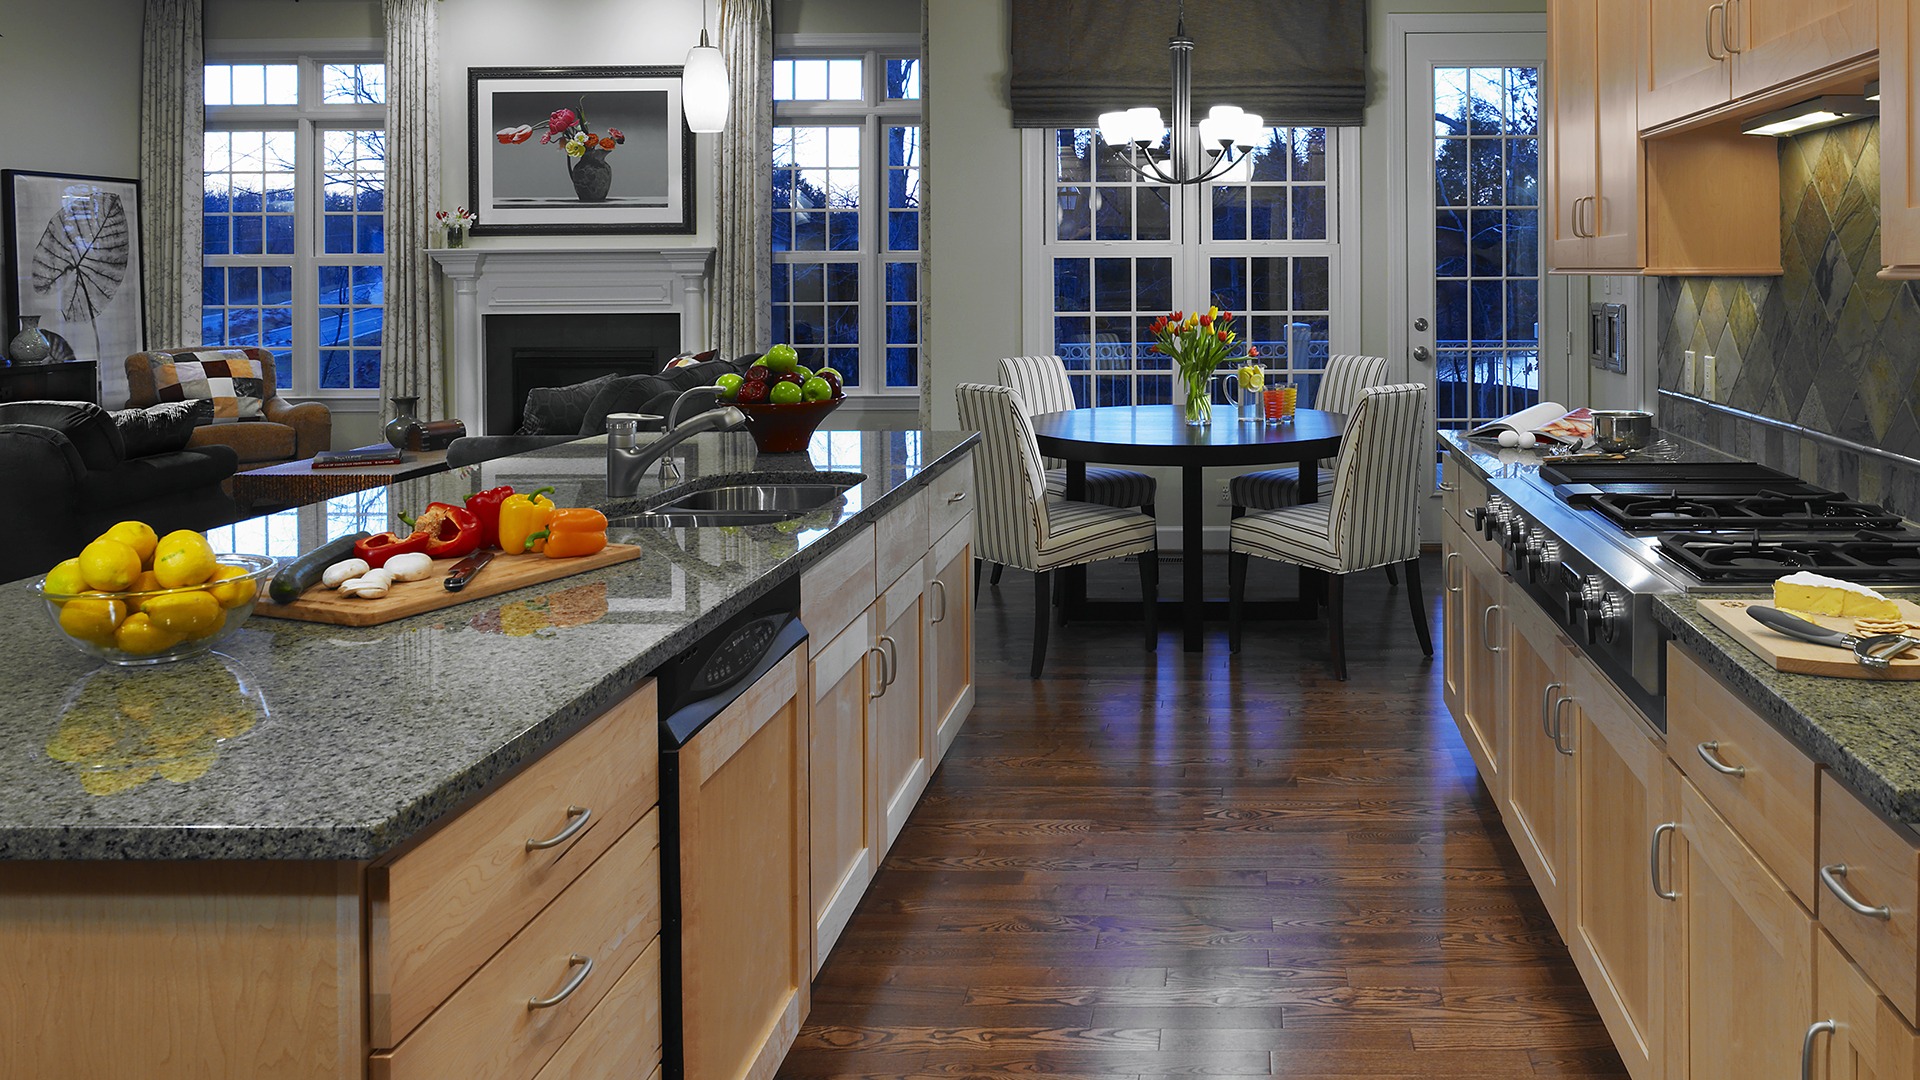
point(521, 517)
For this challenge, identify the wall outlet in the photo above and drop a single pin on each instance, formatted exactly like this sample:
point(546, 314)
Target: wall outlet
point(1225, 496)
point(1690, 372)
point(1709, 378)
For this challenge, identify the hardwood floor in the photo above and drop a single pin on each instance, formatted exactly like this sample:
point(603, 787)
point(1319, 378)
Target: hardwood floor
point(1156, 863)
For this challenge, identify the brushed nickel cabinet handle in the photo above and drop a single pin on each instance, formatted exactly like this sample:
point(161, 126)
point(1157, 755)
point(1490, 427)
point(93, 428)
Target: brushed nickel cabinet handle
point(1806, 1045)
point(1546, 699)
point(1559, 725)
point(585, 964)
point(942, 617)
point(1448, 574)
point(1729, 19)
point(890, 652)
point(1654, 863)
point(1831, 877)
point(880, 672)
point(1711, 39)
point(1710, 753)
point(1486, 629)
point(580, 815)
point(1444, 486)
point(957, 496)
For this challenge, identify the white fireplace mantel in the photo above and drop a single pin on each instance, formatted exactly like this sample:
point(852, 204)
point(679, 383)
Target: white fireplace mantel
point(561, 281)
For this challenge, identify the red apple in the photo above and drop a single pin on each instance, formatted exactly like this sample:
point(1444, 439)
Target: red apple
point(753, 392)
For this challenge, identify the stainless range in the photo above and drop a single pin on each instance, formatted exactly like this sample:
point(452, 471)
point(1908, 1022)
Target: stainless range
point(1593, 543)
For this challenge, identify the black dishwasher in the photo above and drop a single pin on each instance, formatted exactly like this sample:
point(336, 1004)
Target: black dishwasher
point(695, 688)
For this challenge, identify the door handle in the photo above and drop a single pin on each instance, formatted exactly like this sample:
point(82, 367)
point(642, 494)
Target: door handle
point(580, 815)
point(1486, 629)
point(942, 617)
point(1420, 322)
point(1546, 696)
point(1559, 725)
point(585, 964)
point(1423, 354)
point(1831, 877)
point(1654, 861)
point(1806, 1045)
point(889, 650)
point(1728, 35)
point(1710, 753)
point(879, 672)
point(1577, 204)
point(1448, 574)
point(1720, 7)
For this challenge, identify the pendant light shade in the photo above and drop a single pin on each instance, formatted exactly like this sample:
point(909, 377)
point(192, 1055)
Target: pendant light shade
point(704, 93)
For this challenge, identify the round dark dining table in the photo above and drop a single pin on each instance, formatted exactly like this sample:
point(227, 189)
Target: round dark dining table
point(1160, 435)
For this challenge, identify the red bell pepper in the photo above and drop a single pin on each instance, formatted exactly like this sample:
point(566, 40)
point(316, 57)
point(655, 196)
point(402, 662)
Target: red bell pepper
point(452, 532)
point(376, 550)
point(485, 505)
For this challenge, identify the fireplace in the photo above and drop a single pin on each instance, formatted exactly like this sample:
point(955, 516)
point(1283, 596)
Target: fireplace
point(528, 351)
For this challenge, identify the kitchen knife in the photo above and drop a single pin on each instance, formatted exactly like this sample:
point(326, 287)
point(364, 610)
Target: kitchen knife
point(1873, 652)
point(464, 570)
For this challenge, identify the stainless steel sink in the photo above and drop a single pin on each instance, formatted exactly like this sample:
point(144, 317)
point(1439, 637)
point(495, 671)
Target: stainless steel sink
point(737, 504)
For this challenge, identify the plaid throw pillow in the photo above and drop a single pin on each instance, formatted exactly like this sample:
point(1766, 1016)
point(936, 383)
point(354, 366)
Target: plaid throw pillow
point(227, 377)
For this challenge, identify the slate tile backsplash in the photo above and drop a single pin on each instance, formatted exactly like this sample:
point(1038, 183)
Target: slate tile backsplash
point(1827, 345)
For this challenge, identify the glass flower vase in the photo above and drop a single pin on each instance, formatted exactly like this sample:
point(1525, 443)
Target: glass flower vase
point(1196, 382)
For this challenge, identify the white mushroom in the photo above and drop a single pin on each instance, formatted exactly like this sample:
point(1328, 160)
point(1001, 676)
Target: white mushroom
point(412, 566)
point(343, 571)
point(369, 586)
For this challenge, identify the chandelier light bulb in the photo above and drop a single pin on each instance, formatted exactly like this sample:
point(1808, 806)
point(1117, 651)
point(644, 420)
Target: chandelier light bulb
point(1115, 128)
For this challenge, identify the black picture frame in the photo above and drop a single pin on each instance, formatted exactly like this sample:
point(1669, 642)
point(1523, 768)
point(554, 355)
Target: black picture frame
point(515, 194)
point(81, 272)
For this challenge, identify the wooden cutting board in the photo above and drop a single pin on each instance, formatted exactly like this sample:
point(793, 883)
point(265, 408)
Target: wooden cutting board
point(504, 574)
point(1790, 654)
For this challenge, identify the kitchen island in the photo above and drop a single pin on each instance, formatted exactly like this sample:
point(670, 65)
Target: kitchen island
point(236, 910)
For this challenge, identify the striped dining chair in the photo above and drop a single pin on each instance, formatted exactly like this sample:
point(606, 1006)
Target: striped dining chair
point(1372, 519)
point(1043, 385)
point(1019, 525)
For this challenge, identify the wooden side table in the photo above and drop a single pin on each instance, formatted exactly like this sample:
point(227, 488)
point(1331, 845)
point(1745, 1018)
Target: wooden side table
point(297, 483)
point(74, 380)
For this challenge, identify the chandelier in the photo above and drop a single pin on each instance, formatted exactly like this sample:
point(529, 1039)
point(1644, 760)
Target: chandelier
point(1134, 135)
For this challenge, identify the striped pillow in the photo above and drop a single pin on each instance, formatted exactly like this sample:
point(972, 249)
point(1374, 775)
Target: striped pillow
point(227, 377)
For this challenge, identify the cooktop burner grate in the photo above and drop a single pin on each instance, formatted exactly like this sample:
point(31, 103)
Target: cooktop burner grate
point(1722, 557)
point(1766, 509)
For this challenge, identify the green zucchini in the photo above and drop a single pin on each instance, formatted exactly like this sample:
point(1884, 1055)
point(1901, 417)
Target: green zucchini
point(304, 572)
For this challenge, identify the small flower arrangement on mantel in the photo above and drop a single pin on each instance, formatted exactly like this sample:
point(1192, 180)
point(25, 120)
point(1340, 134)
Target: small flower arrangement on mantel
point(455, 224)
point(1198, 344)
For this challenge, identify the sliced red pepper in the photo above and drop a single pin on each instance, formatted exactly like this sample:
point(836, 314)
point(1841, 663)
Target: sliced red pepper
point(376, 550)
point(485, 505)
point(450, 531)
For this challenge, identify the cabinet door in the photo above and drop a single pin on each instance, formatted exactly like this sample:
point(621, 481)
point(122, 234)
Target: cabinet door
point(842, 767)
point(1620, 925)
point(1779, 41)
point(745, 929)
point(1453, 639)
point(1615, 219)
point(1899, 140)
point(1482, 718)
point(1539, 803)
point(1574, 93)
point(1686, 68)
point(950, 633)
point(1744, 966)
point(905, 735)
point(1860, 1037)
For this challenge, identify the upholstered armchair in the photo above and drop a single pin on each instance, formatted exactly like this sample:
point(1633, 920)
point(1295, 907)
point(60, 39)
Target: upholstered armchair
point(285, 432)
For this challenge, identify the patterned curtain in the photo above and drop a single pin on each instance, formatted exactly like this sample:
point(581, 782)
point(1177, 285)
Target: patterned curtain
point(411, 363)
point(172, 127)
point(741, 312)
point(926, 222)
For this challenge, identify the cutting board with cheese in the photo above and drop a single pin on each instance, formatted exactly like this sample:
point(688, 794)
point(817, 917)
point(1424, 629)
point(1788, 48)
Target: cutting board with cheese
point(1815, 604)
point(406, 598)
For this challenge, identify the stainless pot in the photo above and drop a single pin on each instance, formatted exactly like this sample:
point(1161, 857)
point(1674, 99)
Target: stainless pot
point(1615, 430)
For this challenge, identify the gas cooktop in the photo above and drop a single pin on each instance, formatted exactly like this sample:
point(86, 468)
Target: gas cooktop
point(1724, 557)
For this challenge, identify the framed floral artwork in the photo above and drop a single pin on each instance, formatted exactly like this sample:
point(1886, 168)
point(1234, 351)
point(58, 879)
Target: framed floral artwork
point(73, 262)
point(578, 150)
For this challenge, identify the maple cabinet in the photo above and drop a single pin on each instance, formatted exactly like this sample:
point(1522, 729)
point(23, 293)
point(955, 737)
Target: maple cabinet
point(1701, 55)
point(1539, 760)
point(1899, 140)
point(1482, 716)
point(1593, 145)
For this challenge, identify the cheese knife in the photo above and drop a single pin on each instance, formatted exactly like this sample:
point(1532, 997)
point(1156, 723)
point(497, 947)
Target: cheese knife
point(1873, 652)
point(464, 570)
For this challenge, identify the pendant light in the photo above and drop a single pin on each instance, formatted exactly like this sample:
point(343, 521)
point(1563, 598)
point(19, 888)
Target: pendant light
point(1133, 136)
point(704, 93)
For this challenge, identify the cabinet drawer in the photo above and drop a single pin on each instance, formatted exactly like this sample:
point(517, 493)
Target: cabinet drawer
point(1756, 779)
point(442, 908)
point(950, 496)
point(486, 1030)
point(621, 1037)
point(835, 590)
point(1880, 872)
point(900, 539)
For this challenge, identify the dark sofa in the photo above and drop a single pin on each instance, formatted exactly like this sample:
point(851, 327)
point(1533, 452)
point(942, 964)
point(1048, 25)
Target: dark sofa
point(66, 471)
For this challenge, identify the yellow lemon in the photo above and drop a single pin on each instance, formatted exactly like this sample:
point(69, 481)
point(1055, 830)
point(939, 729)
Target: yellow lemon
point(109, 565)
point(92, 618)
point(183, 557)
point(213, 626)
point(66, 579)
point(137, 535)
point(141, 636)
point(184, 613)
point(235, 593)
point(145, 583)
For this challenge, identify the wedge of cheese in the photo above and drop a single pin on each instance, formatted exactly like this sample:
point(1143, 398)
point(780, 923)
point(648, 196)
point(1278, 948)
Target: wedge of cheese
point(1813, 594)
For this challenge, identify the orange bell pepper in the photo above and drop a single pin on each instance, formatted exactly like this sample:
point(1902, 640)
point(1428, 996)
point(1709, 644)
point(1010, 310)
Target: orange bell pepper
point(573, 532)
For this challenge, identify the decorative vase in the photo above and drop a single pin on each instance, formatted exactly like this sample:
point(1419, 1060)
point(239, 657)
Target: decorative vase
point(456, 236)
point(30, 345)
point(1196, 399)
point(404, 423)
point(592, 176)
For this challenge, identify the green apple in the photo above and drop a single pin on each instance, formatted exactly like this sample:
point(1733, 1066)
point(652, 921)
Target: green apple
point(729, 385)
point(816, 389)
point(781, 358)
point(802, 371)
point(785, 393)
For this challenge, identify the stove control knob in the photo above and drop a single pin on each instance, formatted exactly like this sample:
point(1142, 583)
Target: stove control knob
point(1613, 612)
point(1545, 557)
point(1516, 532)
point(1589, 602)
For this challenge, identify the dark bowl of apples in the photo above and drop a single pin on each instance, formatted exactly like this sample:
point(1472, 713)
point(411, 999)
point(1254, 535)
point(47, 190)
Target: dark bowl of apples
point(783, 403)
point(785, 429)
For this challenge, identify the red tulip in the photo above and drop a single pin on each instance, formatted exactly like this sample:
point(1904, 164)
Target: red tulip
point(1222, 334)
point(1253, 350)
point(1206, 320)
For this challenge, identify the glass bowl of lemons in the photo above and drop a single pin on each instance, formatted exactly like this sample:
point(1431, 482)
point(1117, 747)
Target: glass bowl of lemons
point(133, 598)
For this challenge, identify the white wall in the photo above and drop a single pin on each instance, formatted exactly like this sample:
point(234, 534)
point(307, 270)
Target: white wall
point(70, 86)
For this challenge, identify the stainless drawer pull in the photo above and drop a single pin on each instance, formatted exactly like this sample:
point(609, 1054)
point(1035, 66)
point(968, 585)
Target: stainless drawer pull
point(1721, 40)
point(1654, 867)
point(580, 815)
point(1486, 629)
point(1830, 877)
point(1546, 703)
point(879, 672)
point(1447, 572)
point(1444, 486)
point(1559, 725)
point(1710, 753)
point(585, 964)
point(957, 496)
point(1806, 1045)
point(889, 650)
point(942, 617)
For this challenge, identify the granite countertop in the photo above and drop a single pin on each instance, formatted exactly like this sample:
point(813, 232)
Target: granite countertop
point(338, 743)
point(1865, 731)
point(1498, 463)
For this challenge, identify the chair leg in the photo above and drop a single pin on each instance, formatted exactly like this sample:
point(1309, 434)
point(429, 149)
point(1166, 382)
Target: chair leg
point(1060, 598)
point(1236, 596)
point(1393, 576)
point(1042, 583)
point(1419, 606)
point(1150, 596)
point(1336, 628)
point(976, 580)
point(995, 579)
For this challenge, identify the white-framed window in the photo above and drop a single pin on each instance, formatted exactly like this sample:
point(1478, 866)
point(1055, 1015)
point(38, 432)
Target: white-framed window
point(294, 233)
point(846, 212)
point(1107, 252)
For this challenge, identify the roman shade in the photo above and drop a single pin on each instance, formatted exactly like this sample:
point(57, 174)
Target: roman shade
point(1295, 62)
